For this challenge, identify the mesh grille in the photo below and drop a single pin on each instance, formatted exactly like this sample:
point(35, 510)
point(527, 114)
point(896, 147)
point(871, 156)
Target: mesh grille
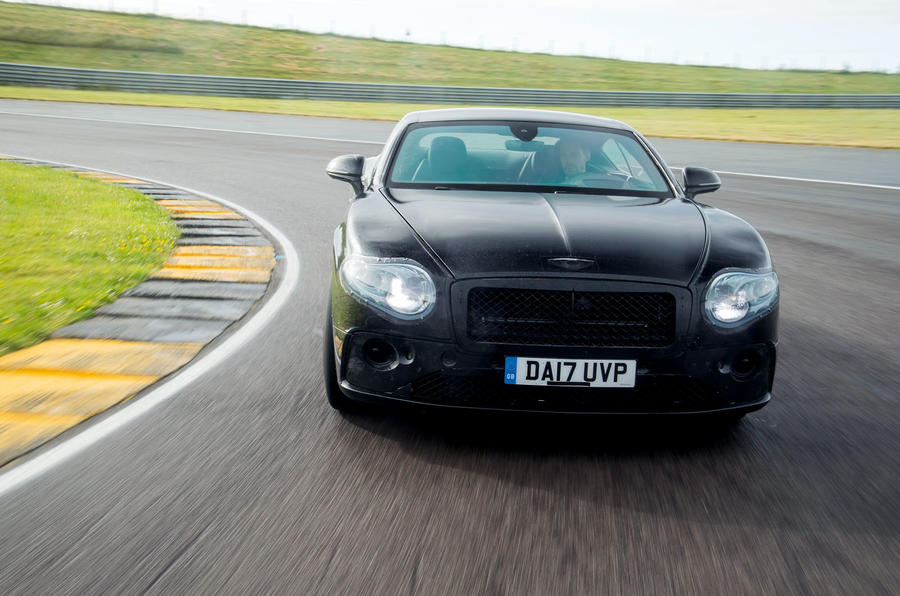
point(566, 318)
point(661, 393)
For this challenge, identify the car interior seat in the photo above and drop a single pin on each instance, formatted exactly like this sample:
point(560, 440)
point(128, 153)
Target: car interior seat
point(543, 167)
point(447, 161)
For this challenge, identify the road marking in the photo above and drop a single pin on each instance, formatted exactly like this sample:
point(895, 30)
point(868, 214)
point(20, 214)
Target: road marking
point(356, 141)
point(792, 179)
point(21, 472)
point(185, 127)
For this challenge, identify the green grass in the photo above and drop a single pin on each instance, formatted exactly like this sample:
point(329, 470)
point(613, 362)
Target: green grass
point(67, 37)
point(68, 246)
point(848, 128)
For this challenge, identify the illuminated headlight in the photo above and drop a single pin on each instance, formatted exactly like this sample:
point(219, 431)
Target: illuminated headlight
point(735, 298)
point(400, 288)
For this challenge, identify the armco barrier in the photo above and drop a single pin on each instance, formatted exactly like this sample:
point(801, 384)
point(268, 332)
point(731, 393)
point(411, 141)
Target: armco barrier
point(152, 82)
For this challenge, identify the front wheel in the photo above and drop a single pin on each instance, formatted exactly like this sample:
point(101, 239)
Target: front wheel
point(336, 397)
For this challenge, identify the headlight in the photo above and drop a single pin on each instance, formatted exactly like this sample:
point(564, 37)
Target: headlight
point(735, 298)
point(400, 288)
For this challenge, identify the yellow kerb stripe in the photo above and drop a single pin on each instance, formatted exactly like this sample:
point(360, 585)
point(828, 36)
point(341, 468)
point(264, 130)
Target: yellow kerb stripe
point(214, 274)
point(206, 215)
point(202, 250)
point(106, 356)
point(221, 262)
point(186, 203)
point(60, 393)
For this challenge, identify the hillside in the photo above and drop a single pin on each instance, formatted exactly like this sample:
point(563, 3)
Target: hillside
point(67, 37)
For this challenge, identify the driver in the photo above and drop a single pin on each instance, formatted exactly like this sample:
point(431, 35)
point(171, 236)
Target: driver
point(573, 157)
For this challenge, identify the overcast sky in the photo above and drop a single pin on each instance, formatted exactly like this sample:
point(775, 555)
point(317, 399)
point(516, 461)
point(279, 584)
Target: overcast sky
point(862, 34)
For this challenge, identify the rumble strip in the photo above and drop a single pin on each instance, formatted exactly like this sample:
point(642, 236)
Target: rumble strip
point(220, 268)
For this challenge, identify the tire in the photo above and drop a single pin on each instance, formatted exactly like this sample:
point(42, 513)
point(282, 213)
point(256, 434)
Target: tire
point(336, 397)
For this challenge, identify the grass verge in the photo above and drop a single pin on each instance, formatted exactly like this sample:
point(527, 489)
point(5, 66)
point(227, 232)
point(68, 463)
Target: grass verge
point(94, 39)
point(69, 245)
point(878, 129)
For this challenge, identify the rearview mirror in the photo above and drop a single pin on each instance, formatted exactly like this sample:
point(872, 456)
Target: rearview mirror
point(517, 145)
point(700, 180)
point(348, 168)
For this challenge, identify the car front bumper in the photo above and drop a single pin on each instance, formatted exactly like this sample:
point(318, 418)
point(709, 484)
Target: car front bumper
point(434, 373)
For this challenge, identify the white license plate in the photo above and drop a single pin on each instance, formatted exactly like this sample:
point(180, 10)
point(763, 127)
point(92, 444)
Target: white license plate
point(563, 372)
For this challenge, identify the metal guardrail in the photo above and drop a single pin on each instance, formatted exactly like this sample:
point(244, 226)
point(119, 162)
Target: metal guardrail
point(152, 82)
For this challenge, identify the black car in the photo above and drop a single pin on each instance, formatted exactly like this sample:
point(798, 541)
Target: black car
point(540, 261)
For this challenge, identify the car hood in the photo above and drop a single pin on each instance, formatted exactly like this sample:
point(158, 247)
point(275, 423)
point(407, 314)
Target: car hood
point(477, 233)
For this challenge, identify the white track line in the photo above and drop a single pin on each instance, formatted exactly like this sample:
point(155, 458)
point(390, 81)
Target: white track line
point(339, 140)
point(792, 179)
point(32, 467)
point(814, 180)
point(182, 126)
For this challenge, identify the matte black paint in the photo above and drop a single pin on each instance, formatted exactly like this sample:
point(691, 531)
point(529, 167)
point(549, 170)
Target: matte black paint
point(470, 237)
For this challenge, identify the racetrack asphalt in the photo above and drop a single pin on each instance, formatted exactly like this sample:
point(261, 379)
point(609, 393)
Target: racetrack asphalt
point(247, 482)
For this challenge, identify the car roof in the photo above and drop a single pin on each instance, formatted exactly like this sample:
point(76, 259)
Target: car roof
point(513, 114)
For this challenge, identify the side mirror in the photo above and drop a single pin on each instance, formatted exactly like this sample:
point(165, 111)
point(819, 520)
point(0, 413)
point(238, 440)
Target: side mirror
point(348, 168)
point(700, 180)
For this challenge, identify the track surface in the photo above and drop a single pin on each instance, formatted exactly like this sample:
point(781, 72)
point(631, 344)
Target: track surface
point(866, 166)
point(247, 482)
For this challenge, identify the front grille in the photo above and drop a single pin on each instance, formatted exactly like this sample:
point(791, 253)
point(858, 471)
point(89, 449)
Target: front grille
point(660, 393)
point(567, 318)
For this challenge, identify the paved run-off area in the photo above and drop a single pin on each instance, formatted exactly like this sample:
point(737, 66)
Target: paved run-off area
point(218, 271)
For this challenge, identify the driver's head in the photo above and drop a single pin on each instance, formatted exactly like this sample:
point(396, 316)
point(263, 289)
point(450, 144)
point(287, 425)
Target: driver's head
point(573, 156)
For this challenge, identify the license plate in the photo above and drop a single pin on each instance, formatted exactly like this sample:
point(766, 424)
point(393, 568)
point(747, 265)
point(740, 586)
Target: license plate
point(562, 372)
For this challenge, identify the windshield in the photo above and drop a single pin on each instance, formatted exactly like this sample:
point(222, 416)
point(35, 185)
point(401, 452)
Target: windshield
point(475, 155)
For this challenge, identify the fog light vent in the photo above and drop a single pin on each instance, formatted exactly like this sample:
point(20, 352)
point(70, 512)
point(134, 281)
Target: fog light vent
point(746, 363)
point(380, 354)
